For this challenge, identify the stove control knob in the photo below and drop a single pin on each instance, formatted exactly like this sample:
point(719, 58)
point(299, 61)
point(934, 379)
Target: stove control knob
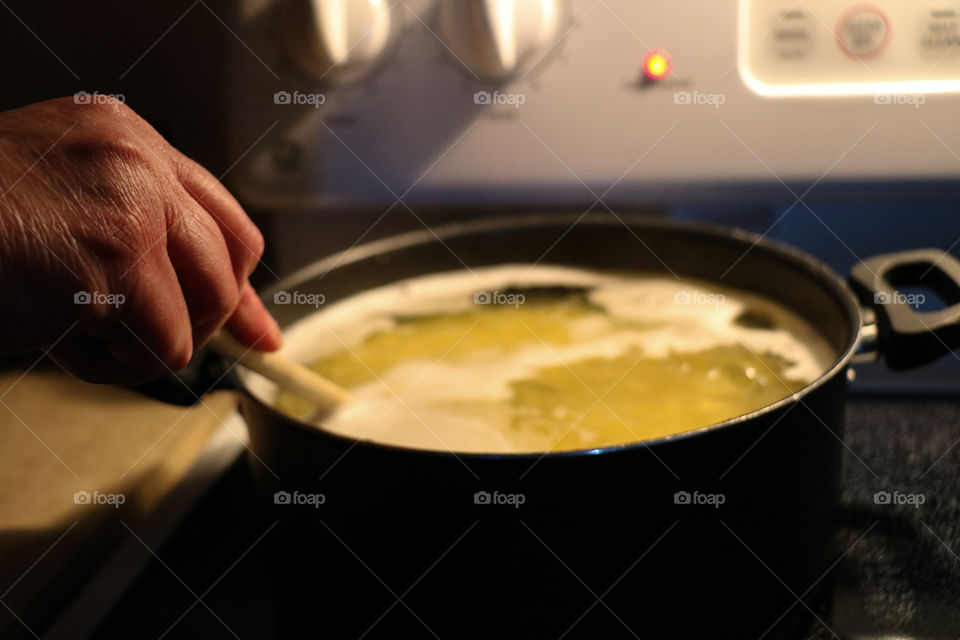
point(498, 39)
point(338, 40)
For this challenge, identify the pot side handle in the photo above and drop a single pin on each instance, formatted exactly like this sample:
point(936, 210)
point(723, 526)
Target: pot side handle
point(908, 338)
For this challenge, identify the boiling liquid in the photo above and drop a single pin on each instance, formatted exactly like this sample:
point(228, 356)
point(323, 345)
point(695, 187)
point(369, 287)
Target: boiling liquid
point(555, 359)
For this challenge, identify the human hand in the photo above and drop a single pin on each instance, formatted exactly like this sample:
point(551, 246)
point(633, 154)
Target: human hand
point(94, 201)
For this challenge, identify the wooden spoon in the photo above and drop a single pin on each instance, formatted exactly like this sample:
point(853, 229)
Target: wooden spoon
point(286, 373)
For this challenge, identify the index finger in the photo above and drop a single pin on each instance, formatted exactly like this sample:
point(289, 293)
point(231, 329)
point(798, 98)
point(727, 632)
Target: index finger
point(244, 240)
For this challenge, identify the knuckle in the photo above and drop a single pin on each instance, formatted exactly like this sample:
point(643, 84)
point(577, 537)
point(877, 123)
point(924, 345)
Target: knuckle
point(115, 150)
point(106, 108)
point(223, 300)
point(254, 244)
point(173, 351)
point(93, 106)
point(179, 359)
point(245, 243)
point(246, 248)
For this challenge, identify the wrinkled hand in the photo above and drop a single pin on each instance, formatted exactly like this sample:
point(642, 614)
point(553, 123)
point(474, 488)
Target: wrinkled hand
point(116, 250)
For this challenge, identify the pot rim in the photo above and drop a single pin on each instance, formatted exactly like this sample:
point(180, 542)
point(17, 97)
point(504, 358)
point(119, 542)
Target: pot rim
point(803, 260)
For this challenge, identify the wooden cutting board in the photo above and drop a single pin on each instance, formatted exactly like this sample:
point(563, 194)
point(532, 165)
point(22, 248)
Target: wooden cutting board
point(84, 470)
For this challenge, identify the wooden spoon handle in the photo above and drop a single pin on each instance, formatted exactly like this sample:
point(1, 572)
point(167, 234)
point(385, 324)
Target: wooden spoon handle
point(281, 370)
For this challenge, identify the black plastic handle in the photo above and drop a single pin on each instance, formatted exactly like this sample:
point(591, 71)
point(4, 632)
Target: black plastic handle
point(907, 337)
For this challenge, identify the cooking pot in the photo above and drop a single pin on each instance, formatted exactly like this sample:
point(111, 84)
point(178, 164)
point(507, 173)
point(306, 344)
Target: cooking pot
point(724, 530)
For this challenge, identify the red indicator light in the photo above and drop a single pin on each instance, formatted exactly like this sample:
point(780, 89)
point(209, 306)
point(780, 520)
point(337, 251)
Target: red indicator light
point(657, 64)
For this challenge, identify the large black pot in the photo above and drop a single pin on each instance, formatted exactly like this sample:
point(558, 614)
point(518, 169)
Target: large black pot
point(722, 532)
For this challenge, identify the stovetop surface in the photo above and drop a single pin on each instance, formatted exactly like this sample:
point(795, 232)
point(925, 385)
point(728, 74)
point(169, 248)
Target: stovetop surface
point(901, 575)
point(898, 578)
